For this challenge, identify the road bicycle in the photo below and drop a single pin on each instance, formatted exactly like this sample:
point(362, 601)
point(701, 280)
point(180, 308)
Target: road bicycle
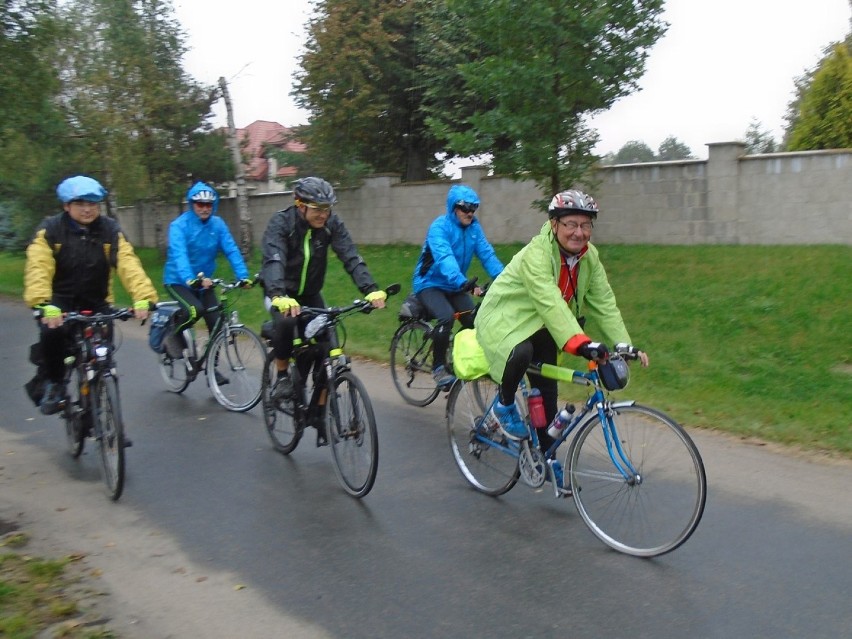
point(637, 478)
point(237, 354)
point(348, 418)
point(411, 353)
point(93, 409)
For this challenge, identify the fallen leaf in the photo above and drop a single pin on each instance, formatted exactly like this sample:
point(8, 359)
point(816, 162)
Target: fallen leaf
point(239, 587)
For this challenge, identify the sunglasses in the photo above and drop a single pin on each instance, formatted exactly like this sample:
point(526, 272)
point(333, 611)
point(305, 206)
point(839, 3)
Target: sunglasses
point(467, 208)
point(324, 207)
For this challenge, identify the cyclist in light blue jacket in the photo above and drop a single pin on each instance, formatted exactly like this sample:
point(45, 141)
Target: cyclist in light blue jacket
point(195, 239)
point(440, 279)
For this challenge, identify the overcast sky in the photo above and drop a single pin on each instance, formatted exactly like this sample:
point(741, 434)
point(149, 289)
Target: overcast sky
point(721, 64)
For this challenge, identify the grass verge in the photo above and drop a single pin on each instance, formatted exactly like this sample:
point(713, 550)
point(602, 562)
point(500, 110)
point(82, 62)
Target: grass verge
point(750, 340)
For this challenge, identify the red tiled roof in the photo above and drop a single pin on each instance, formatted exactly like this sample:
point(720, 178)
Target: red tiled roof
point(259, 135)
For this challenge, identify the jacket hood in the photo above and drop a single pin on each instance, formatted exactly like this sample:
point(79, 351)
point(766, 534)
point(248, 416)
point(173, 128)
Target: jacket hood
point(459, 193)
point(202, 186)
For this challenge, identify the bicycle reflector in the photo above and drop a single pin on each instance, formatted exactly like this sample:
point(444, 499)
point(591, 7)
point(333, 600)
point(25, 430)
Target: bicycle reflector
point(614, 374)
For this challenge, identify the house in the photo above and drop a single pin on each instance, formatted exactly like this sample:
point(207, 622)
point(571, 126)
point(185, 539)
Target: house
point(263, 175)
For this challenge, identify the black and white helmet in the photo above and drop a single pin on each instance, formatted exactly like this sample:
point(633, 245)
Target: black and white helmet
point(572, 201)
point(203, 196)
point(314, 190)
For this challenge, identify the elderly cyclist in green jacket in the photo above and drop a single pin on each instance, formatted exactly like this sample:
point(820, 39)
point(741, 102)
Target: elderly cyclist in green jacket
point(538, 305)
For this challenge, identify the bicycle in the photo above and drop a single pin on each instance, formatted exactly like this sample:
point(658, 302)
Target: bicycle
point(637, 478)
point(95, 408)
point(237, 352)
point(411, 353)
point(348, 419)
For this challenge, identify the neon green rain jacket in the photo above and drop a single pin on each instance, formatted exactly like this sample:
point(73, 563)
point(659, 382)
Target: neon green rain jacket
point(525, 297)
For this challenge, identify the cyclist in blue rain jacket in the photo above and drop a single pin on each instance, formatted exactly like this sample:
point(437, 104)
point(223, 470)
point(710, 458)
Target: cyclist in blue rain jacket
point(440, 279)
point(196, 237)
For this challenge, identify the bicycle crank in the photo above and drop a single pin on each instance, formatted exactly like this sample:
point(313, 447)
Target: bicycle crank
point(532, 465)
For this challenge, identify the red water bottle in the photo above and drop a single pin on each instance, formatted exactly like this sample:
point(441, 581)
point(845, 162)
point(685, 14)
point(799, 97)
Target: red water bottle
point(536, 405)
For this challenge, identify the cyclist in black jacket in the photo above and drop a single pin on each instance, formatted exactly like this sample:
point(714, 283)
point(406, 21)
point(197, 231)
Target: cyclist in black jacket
point(295, 256)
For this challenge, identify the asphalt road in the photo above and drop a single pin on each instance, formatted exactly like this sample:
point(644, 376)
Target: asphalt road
point(217, 535)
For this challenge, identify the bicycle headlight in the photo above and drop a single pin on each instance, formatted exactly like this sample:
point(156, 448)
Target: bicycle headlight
point(315, 326)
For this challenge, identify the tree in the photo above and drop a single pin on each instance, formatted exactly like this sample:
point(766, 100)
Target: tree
point(824, 117)
point(35, 145)
point(142, 119)
point(358, 79)
point(673, 149)
point(634, 152)
point(542, 68)
point(757, 140)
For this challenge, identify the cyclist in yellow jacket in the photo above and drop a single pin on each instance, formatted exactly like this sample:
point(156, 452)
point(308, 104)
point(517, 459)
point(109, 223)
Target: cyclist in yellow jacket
point(68, 268)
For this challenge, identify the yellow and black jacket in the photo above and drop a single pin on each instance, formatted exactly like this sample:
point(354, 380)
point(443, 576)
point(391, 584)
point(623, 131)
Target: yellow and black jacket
point(69, 265)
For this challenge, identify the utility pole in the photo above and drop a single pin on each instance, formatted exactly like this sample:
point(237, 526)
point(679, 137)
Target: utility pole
point(242, 198)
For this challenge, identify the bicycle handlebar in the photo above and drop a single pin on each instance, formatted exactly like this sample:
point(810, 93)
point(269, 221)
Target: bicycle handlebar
point(88, 317)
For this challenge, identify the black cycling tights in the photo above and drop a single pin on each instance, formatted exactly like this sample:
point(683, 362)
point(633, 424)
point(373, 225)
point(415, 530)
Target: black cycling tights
point(539, 347)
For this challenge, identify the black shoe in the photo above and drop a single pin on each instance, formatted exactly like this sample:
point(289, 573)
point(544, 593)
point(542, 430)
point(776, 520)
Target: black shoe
point(221, 380)
point(54, 398)
point(283, 388)
point(322, 436)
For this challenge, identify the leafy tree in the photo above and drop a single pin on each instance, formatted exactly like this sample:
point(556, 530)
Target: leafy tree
point(34, 143)
point(824, 118)
point(144, 122)
point(358, 79)
point(634, 152)
point(541, 69)
point(673, 149)
point(759, 141)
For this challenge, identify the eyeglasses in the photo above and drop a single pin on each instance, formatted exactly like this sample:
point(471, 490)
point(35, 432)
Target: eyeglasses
point(86, 204)
point(572, 226)
point(204, 205)
point(467, 208)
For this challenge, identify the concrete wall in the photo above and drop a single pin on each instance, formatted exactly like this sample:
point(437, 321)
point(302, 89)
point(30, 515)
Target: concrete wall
point(730, 198)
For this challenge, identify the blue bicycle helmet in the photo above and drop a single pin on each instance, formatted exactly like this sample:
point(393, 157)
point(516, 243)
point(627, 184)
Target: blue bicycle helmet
point(80, 187)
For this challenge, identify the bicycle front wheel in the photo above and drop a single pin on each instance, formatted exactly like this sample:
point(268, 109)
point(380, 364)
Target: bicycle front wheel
point(76, 415)
point(174, 373)
point(109, 433)
point(351, 427)
point(485, 457)
point(278, 415)
point(657, 507)
point(411, 364)
point(235, 368)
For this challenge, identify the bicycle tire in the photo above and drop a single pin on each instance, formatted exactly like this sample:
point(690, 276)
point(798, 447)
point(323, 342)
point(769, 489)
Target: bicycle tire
point(644, 518)
point(354, 439)
point(73, 415)
point(109, 433)
point(279, 417)
point(485, 457)
point(411, 368)
point(174, 373)
point(239, 356)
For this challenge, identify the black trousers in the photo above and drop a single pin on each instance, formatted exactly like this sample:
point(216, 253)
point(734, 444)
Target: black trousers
point(442, 305)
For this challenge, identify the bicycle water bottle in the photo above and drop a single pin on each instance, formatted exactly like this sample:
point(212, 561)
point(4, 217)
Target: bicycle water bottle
point(563, 418)
point(536, 406)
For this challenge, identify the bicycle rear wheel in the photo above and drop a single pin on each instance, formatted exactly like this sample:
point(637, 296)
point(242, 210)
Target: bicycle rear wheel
point(659, 507)
point(279, 416)
point(351, 427)
point(109, 433)
point(239, 359)
point(411, 364)
point(174, 373)
point(485, 457)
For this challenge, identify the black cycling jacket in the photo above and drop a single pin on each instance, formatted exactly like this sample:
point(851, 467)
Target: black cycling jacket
point(295, 255)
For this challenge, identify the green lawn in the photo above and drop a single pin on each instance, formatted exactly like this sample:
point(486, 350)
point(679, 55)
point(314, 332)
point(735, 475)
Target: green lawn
point(751, 340)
